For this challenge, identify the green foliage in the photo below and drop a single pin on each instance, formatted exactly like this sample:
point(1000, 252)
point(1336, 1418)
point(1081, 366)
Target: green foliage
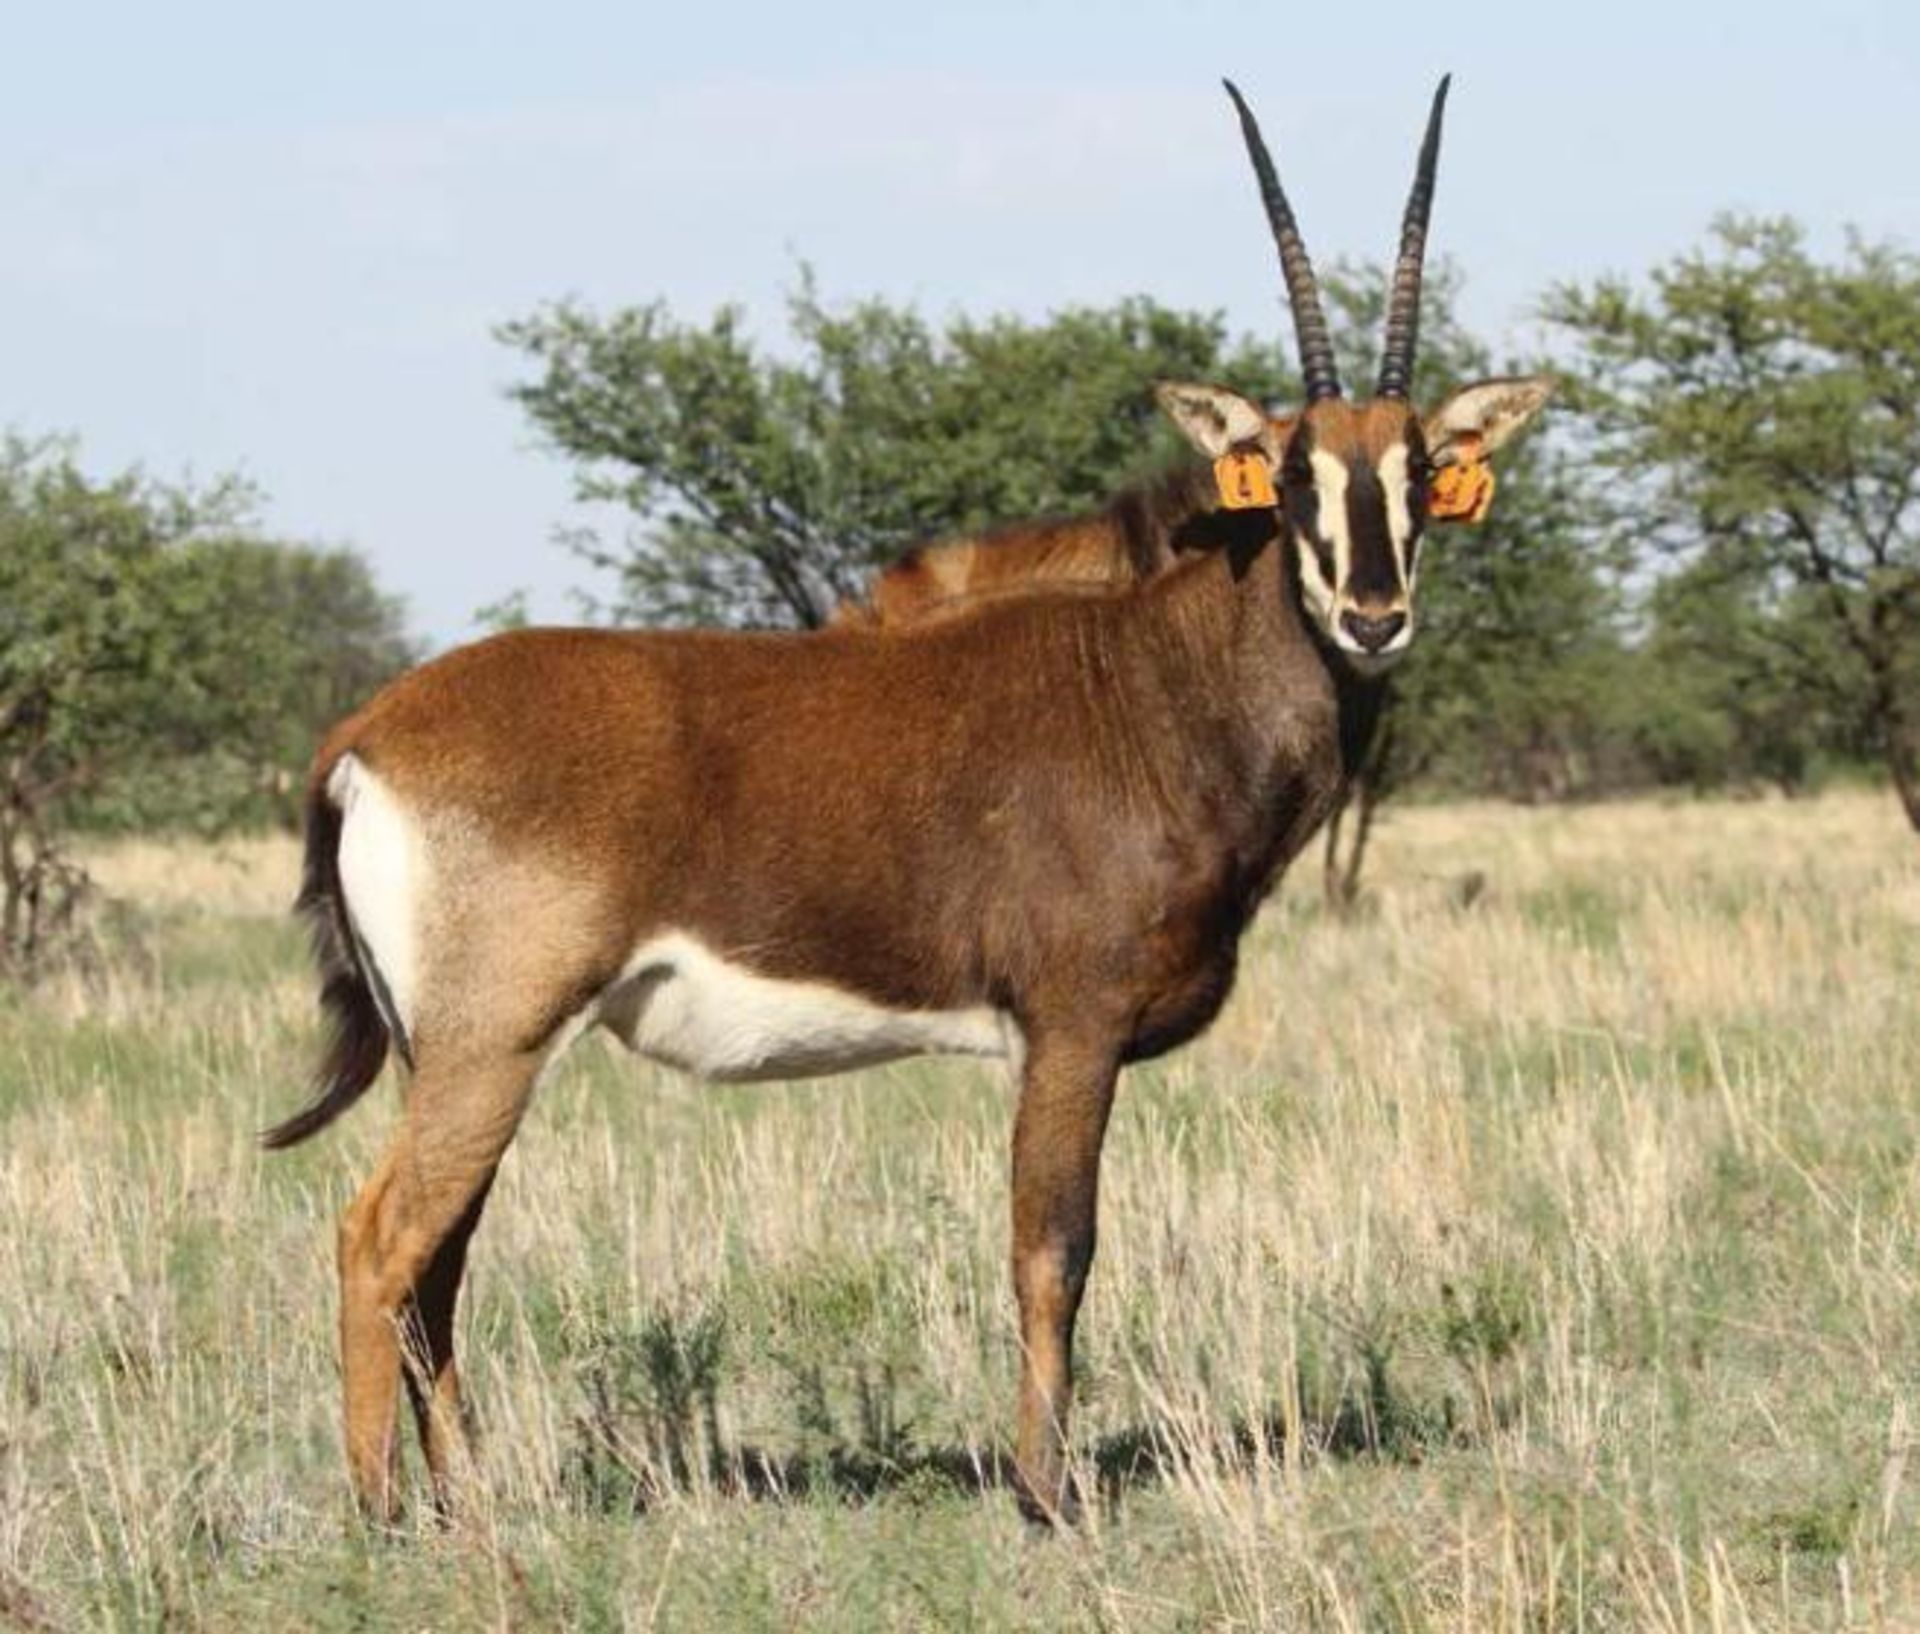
point(287, 639)
point(143, 627)
point(158, 663)
point(1711, 703)
point(513, 611)
point(1519, 645)
point(1514, 687)
point(651, 1392)
point(1758, 412)
point(100, 630)
point(768, 487)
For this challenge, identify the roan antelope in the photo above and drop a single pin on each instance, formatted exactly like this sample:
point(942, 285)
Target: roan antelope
point(1033, 829)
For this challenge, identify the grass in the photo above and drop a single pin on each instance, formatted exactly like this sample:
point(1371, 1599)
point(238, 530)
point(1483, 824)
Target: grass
point(1551, 1262)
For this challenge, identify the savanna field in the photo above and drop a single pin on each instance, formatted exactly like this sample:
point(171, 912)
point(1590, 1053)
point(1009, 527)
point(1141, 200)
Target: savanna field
point(1538, 1250)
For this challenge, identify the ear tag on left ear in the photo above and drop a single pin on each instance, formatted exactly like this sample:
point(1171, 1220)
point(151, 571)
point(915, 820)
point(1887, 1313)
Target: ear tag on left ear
point(1245, 482)
point(1463, 490)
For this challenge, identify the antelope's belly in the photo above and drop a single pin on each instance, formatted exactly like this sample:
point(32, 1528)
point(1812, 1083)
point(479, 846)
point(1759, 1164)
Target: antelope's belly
point(679, 1002)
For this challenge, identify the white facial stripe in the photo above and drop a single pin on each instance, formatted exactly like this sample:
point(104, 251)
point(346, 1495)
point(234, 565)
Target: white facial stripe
point(1313, 584)
point(1393, 478)
point(1330, 483)
point(1323, 595)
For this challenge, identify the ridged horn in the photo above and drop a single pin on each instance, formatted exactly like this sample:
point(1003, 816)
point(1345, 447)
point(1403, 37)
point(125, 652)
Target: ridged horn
point(1403, 300)
point(1303, 289)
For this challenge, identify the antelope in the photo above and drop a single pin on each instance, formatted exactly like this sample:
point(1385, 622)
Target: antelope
point(1034, 829)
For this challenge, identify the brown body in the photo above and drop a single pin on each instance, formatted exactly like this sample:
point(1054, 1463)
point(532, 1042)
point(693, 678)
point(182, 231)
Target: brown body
point(1034, 825)
point(1053, 808)
point(1097, 772)
point(1061, 810)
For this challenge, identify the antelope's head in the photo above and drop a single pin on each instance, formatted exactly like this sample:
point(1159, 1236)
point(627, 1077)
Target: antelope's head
point(1356, 482)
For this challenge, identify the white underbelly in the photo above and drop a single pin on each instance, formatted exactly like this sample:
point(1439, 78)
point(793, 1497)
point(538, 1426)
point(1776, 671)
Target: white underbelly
point(678, 1002)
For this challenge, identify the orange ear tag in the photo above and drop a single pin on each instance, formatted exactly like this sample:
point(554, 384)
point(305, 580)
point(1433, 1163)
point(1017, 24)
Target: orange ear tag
point(1462, 491)
point(1245, 482)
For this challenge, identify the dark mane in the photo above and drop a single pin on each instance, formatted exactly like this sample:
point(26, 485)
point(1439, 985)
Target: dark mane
point(1156, 517)
point(1139, 533)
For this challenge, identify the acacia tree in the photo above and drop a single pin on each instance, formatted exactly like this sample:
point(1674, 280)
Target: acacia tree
point(1761, 410)
point(143, 629)
point(303, 634)
point(766, 489)
point(85, 635)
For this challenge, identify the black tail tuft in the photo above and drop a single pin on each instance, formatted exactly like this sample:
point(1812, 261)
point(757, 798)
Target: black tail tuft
point(357, 1042)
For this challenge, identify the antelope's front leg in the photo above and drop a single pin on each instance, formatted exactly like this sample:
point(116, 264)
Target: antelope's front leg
point(1064, 1101)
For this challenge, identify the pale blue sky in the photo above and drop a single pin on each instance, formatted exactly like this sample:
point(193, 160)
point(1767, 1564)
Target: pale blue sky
point(247, 237)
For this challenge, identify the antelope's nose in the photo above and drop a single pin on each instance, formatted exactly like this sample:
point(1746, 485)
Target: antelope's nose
point(1370, 633)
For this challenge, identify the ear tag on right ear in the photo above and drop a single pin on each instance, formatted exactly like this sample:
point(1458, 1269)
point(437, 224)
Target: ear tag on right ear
point(1463, 490)
point(1244, 481)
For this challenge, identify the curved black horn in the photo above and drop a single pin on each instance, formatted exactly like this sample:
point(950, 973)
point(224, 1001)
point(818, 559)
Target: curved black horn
point(1403, 301)
point(1303, 289)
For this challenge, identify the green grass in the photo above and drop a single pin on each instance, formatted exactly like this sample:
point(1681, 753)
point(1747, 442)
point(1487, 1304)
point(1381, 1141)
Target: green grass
point(1552, 1263)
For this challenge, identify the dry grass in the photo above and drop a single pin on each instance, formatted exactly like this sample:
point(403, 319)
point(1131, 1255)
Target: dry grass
point(1545, 1262)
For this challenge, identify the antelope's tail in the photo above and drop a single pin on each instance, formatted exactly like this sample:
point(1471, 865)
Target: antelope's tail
point(357, 1035)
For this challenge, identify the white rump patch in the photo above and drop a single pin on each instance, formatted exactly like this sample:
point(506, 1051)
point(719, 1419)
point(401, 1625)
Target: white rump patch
point(679, 1002)
point(381, 867)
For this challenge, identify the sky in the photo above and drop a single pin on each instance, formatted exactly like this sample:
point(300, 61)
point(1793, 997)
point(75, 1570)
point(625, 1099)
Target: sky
point(278, 240)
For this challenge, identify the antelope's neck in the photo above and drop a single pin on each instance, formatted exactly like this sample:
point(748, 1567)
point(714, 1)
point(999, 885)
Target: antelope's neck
point(1266, 701)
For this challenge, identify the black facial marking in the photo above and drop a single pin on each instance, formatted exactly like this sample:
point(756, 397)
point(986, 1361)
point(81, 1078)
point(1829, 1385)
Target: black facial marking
point(1302, 498)
point(1419, 484)
point(1372, 575)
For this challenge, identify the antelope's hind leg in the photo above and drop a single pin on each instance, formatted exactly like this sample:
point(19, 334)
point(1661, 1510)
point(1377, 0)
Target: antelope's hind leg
point(433, 1382)
point(403, 1245)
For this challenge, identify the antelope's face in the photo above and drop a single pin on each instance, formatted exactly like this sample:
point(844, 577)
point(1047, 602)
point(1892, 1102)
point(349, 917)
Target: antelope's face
point(1352, 490)
point(1356, 482)
point(1354, 487)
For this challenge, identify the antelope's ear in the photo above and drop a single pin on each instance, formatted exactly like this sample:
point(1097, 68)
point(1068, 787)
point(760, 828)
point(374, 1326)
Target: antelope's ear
point(1477, 419)
point(1217, 421)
